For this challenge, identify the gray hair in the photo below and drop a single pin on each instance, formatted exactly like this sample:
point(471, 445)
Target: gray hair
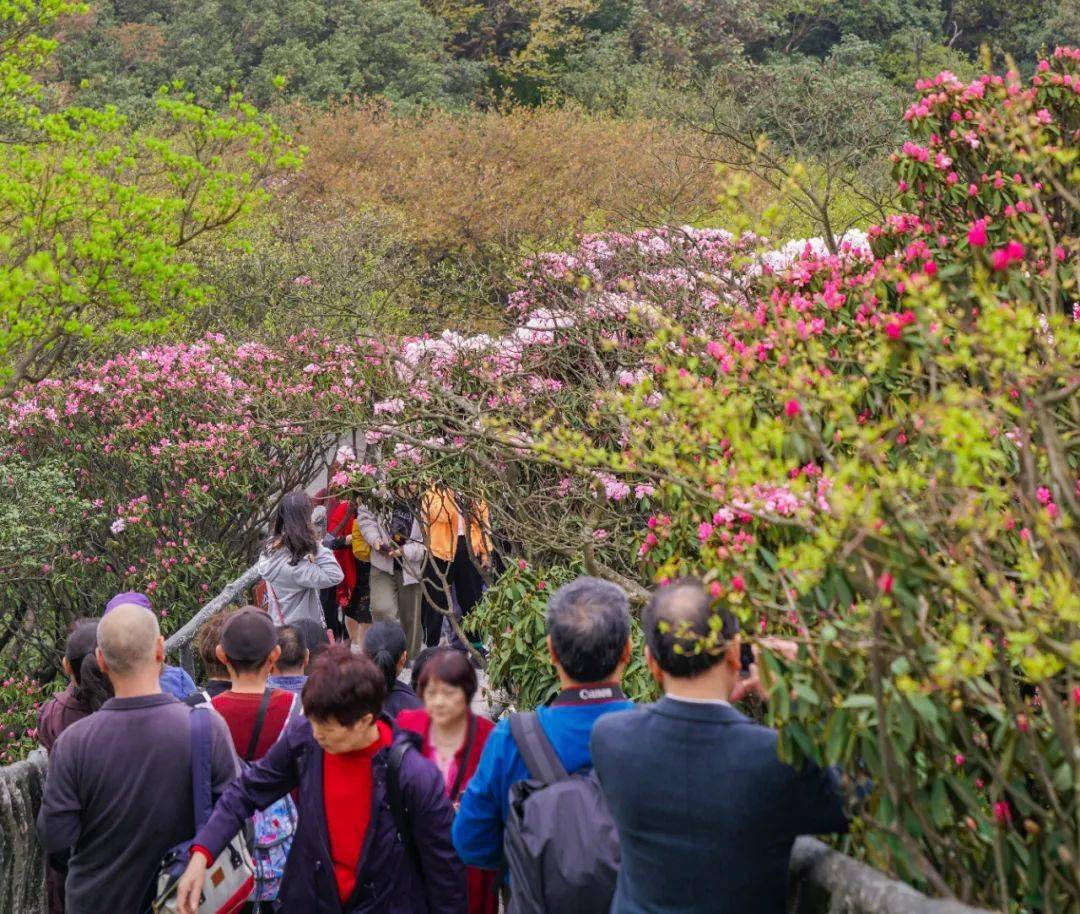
point(127, 636)
point(589, 624)
point(318, 521)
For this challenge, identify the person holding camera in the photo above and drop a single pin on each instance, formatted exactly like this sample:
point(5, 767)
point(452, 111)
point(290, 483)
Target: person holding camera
point(397, 562)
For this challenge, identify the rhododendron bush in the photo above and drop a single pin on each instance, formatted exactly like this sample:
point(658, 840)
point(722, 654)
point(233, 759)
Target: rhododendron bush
point(874, 453)
point(870, 449)
point(879, 458)
point(172, 458)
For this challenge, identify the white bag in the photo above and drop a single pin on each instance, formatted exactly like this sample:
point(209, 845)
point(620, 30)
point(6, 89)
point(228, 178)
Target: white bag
point(231, 878)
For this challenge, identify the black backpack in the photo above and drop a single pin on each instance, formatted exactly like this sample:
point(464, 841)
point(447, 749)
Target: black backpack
point(561, 844)
point(401, 524)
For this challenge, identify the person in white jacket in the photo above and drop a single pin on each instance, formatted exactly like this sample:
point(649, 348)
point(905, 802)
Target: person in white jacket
point(295, 565)
point(397, 570)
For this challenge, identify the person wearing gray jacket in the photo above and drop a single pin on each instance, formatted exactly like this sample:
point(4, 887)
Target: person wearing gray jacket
point(295, 565)
point(397, 571)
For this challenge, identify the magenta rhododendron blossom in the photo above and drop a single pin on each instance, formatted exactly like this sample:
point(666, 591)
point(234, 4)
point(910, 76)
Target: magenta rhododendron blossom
point(977, 233)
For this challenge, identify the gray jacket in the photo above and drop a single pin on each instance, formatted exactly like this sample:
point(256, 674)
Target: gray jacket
point(374, 531)
point(293, 590)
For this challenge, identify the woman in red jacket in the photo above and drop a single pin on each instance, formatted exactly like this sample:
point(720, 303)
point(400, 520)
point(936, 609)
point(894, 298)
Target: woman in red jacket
point(453, 738)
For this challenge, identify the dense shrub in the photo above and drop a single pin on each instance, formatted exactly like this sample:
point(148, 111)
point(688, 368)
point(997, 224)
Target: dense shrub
point(879, 459)
point(506, 181)
point(290, 268)
point(172, 457)
point(514, 610)
point(20, 699)
point(95, 216)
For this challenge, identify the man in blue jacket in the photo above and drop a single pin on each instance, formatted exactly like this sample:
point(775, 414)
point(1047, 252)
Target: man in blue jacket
point(589, 642)
point(707, 813)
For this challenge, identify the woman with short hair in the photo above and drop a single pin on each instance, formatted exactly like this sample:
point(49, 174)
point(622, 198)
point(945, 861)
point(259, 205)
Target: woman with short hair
point(453, 738)
point(346, 855)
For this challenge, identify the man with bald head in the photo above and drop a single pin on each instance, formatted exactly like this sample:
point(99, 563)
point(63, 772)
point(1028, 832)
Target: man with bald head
point(706, 811)
point(174, 679)
point(118, 793)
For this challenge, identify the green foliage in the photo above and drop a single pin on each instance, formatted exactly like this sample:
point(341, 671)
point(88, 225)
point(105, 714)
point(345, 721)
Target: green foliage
point(514, 613)
point(817, 132)
point(309, 50)
point(913, 53)
point(290, 268)
point(20, 699)
point(897, 491)
point(34, 498)
point(609, 55)
point(93, 217)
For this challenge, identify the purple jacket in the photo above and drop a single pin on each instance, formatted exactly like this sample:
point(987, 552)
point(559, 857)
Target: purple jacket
point(387, 881)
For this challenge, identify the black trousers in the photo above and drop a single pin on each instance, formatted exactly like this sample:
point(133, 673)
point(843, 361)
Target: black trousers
point(463, 576)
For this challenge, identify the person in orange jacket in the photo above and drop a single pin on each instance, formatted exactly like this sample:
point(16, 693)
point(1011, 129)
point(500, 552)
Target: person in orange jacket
point(447, 523)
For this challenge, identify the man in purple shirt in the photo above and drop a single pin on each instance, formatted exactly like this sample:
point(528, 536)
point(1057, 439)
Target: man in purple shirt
point(118, 792)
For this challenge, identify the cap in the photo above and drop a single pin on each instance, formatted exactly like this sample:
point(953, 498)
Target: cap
point(128, 597)
point(248, 636)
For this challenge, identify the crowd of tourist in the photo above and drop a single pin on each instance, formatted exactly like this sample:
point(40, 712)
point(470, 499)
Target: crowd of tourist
point(347, 564)
point(352, 790)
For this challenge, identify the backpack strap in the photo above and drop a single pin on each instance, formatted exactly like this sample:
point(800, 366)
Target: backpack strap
point(398, 807)
point(273, 604)
point(536, 750)
point(201, 765)
point(459, 781)
point(260, 719)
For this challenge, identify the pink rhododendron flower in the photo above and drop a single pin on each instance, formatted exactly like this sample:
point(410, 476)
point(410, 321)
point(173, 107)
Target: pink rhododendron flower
point(704, 531)
point(792, 408)
point(977, 233)
point(885, 582)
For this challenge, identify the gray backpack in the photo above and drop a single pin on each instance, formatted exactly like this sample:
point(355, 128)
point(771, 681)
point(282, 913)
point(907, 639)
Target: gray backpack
point(561, 845)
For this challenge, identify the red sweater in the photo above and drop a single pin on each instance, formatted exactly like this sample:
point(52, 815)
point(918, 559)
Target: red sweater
point(347, 802)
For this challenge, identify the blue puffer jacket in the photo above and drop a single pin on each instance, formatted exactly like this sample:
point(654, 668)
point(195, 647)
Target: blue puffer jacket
point(387, 881)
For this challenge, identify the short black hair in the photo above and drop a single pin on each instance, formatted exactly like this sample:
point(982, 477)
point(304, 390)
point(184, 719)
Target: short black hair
point(589, 623)
point(418, 664)
point(685, 633)
point(314, 637)
point(293, 646)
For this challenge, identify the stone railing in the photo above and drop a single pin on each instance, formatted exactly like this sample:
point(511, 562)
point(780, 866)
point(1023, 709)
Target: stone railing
point(22, 866)
point(179, 642)
point(823, 881)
